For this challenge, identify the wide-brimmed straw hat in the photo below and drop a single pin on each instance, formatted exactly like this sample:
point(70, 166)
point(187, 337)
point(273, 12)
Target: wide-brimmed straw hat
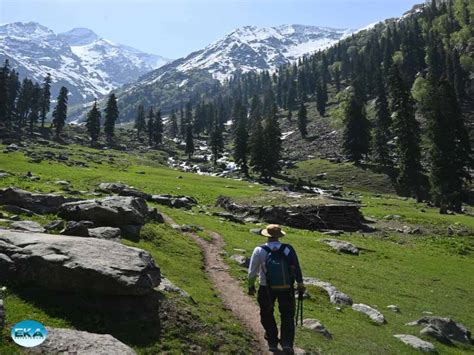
point(273, 231)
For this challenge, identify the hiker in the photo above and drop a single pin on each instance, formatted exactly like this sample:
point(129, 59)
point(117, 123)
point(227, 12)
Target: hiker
point(278, 268)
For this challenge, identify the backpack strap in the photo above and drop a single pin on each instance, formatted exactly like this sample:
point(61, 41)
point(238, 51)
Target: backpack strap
point(266, 248)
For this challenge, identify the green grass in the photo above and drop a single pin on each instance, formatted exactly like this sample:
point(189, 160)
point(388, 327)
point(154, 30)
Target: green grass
point(432, 272)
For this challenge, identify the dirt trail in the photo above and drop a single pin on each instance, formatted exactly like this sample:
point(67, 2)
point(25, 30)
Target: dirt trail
point(243, 307)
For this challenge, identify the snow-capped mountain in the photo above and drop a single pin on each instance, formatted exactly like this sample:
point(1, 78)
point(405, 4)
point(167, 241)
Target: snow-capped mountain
point(86, 64)
point(245, 49)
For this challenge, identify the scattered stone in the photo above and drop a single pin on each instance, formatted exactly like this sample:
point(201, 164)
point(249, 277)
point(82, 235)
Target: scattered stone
point(77, 228)
point(191, 228)
point(409, 230)
point(69, 341)
point(335, 296)
point(241, 260)
point(391, 217)
point(393, 308)
point(333, 233)
point(65, 263)
point(416, 342)
point(62, 182)
point(122, 190)
point(55, 225)
point(447, 327)
point(15, 218)
point(28, 226)
point(109, 233)
point(38, 203)
point(12, 147)
point(18, 210)
point(229, 216)
point(167, 286)
point(255, 231)
point(186, 202)
point(317, 326)
point(4, 174)
point(341, 246)
point(373, 314)
point(435, 333)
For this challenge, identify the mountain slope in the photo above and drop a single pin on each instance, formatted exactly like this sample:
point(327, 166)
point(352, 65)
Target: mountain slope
point(243, 50)
point(86, 64)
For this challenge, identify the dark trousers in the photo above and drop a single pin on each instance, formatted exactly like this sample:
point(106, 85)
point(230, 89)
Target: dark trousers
point(286, 306)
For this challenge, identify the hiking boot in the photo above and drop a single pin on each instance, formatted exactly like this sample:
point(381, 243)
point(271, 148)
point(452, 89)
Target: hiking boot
point(288, 350)
point(273, 348)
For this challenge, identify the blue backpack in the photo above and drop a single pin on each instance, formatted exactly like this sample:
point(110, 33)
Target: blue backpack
point(278, 274)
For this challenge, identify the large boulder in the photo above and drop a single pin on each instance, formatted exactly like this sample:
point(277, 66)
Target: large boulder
point(416, 343)
point(341, 246)
point(186, 202)
point(72, 264)
point(29, 226)
point(122, 190)
point(125, 212)
point(38, 203)
point(372, 313)
point(108, 233)
point(335, 296)
point(444, 327)
point(70, 341)
point(317, 326)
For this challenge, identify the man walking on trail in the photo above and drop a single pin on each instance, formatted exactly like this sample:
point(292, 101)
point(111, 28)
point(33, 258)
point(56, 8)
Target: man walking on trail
point(278, 268)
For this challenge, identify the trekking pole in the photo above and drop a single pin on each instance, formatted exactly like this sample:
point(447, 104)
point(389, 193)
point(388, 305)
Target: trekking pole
point(299, 309)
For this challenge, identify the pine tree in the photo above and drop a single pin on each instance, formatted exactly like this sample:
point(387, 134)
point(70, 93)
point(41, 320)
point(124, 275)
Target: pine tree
point(272, 141)
point(111, 116)
point(356, 135)
point(23, 102)
point(60, 111)
point(321, 97)
point(45, 98)
point(173, 125)
point(382, 127)
point(291, 95)
point(258, 149)
point(241, 136)
point(4, 74)
point(303, 120)
point(289, 117)
point(35, 102)
point(93, 123)
point(189, 150)
point(158, 129)
point(150, 127)
point(216, 141)
point(407, 129)
point(140, 122)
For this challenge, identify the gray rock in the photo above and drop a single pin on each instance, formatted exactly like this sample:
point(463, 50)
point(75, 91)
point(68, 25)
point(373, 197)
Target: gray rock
point(122, 190)
point(184, 202)
point(29, 226)
point(77, 228)
point(191, 228)
point(167, 286)
point(317, 326)
point(335, 296)
point(69, 341)
point(341, 246)
point(229, 216)
point(416, 342)
point(447, 327)
point(109, 233)
point(18, 210)
point(38, 203)
point(255, 231)
point(372, 313)
point(432, 331)
point(241, 260)
point(394, 308)
point(333, 233)
point(165, 200)
point(55, 225)
point(74, 264)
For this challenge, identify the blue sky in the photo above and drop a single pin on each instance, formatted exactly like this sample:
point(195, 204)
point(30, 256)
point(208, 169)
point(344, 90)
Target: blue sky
point(174, 28)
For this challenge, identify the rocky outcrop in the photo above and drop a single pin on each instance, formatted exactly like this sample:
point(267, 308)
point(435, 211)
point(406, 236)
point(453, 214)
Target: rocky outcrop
point(372, 313)
point(341, 246)
point(186, 202)
point(125, 212)
point(416, 343)
point(38, 203)
point(122, 190)
point(335, 296)
point(28, 226)
point(77, 228)
point(445, 327)
point(343, 216)
point(317, 326)
point(72, 264)
point(108, 233)
point(70, 341)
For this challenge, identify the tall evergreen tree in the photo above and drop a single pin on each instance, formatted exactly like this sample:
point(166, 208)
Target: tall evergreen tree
point(303, 120)
point(241, 136)
point(140, 122)
point(150, 127)
point(258, 149)
point(173, 125)
point(289, 117)
point(356, 135)
point(382, 127)
point(407, 129)
point(216, 141)
point(321, 97)
point(60, 111)
point(93, 123)
point(273, 144)
point(35, 102)
point(158, 129)
point(111, 115)
point(189, 150)
point(4, 75)
point(45, 98)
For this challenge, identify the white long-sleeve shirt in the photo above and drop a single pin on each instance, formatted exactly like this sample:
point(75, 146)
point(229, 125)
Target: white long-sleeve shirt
point(257, 261)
